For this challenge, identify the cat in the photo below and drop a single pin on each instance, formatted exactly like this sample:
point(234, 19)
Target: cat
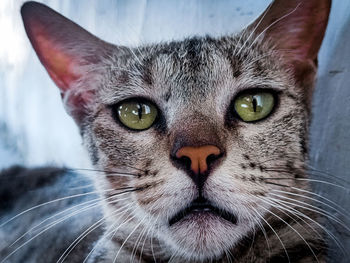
point(199, 146)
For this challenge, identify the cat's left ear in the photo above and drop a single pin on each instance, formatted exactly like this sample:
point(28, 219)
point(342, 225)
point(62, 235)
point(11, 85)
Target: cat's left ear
point(296, 28)
point(71, 55)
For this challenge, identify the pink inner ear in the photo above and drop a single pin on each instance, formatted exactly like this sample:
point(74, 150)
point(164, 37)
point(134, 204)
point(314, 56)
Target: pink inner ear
point(299, 39)
point(65, 70)
point(296, 27)
point(67, 52)
point(60, 66)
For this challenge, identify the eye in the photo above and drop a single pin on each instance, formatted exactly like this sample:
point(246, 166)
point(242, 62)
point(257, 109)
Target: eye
point(136, 115)
point(254, 106)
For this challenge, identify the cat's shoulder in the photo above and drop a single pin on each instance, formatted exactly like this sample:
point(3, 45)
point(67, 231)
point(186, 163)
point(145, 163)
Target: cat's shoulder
point(43, 210)
point(17, 181)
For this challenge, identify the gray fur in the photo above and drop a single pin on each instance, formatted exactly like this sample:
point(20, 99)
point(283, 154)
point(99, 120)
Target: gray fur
point(41, 185)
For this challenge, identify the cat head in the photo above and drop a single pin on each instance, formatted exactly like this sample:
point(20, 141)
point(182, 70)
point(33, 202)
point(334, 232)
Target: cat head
point(191, 134)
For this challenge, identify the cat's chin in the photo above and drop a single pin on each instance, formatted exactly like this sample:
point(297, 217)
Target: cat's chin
point(205, 235)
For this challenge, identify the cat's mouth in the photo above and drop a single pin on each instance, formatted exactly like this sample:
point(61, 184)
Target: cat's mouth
point(202, 206)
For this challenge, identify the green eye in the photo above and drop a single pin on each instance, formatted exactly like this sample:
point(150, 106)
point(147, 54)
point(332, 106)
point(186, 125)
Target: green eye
point(254, 106)
point(137, 115)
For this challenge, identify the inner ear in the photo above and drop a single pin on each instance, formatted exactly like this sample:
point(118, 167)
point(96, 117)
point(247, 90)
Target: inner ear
point(295, 27)
point(72, 56)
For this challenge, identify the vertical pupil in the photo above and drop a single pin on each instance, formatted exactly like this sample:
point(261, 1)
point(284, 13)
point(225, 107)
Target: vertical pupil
point(139, 110)
point(254, 104)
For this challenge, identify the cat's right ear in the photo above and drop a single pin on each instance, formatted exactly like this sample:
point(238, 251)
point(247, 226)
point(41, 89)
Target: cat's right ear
point(71, 55)
point(296, 29)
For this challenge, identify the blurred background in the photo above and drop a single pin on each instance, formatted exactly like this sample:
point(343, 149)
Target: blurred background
point(35, 130)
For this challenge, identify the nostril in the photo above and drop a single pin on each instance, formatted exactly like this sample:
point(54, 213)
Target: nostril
point(185, 161)
point(212, 158)
point(182, 162)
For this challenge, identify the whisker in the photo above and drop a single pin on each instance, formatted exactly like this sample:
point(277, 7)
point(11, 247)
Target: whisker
point(345, 213)
point(126, 239)
point(151, 238)
point(105, 235)
point(134, 168)
point(174, 254)
point(273, 230)
point(253, 238)
point(316, 210)
point(49, 218)
point(310, 171)
point(265, 235)
point(252, 62)
point(152, 249)
point(253, 31)
point(324, 174)
point(276, 205)
point(108, 232)
point(109, 172)
point(281, 185)
point(144, 242)
point(134, 250)
point(35, 236)
point(288, 208)
point(276, 157)
point(135, 56)
point(319, 196)
point(81, 187)
point(126, 221)
point(307, 180)
point(144, 233)
point(230, 256)
point(272, 24)
point(53, 201)
point(94, 201)
point(86, 233)
point(297, 232)
point(59, 221)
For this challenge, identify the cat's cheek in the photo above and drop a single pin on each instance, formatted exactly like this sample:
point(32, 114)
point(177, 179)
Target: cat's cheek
point(238, 194)
point(169, 191)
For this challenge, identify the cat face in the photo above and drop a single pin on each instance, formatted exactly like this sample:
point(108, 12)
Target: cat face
point(194, 84)
point(200, 175)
